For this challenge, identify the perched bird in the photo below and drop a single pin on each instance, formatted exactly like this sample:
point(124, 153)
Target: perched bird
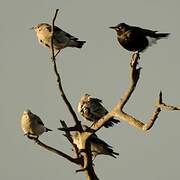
point(98, 146)
point(61, 38)
point(136, 39)
point(92, 109)
point(32, 125)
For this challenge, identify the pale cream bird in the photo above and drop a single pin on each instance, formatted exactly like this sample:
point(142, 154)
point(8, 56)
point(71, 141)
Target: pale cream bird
point(61, 39)
point(32, 125)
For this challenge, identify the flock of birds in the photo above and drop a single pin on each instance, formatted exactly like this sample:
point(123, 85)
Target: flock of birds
point(131, 38)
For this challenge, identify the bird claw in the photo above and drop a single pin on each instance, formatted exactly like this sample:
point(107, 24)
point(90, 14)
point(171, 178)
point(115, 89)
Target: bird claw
point(81, 151)
point(32, 137)
point(53, 58)
point(134, 59)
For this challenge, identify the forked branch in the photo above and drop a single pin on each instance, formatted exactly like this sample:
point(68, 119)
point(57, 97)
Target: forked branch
point(118, 109)
point(77, 161)
point(68, 136)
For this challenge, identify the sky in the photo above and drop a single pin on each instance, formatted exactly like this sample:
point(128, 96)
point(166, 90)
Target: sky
point(100, 68)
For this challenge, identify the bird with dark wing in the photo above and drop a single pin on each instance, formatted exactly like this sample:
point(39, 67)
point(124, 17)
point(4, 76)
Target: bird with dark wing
point(98, 146)
point(136, 39)
point(32, 125)
point(61, 38)
point(92, 110)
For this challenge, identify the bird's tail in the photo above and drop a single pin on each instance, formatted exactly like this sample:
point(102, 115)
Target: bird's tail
point(110, 151)
point(155, 34)
point(111, 122)
point(77, 44)
point(47, 129)
point(114, 154)
point(161, 35)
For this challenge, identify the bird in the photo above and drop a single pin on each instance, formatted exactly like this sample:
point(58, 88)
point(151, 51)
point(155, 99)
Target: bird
point(97, 145)
point(92, 110)
point(32, 125)
point(61, 38)
point(136, 39)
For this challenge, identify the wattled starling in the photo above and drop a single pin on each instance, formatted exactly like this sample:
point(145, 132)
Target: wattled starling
point(61, 38)
point(92, 110)
point(135, 38)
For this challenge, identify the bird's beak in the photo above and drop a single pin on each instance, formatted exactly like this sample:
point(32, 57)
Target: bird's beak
point(112, 27)
point(32, 28)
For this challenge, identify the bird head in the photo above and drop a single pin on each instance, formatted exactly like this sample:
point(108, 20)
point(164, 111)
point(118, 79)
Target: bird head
point(27, 111)
point(38, 27)
point(84, 99)
point(120, 28)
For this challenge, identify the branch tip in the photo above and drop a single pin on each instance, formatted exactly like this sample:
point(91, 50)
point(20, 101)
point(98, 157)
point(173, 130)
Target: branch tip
point(81, 170)
point(160, 97)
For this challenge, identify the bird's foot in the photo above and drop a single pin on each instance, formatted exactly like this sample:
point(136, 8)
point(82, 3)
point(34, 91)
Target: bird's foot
point(135, 58)
point(81, 151)
point(53, 58)
point(57, 53)
point(31, 137)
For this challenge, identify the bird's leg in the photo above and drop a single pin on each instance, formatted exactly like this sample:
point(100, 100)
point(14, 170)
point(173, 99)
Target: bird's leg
point(28, 135)
point(93, 158)
point(57, 53)
point(35, 139)
point(31, 136)
point(62, 48)
point(135, 55)
point(81, 151)
point(54, 58)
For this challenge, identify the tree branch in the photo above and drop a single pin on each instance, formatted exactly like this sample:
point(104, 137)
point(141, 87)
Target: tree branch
point(68, 136)
point(59, 78)
point(135, 74)
point(77, 161)
point(118, 109)
point(68, 129)
point(87, 159)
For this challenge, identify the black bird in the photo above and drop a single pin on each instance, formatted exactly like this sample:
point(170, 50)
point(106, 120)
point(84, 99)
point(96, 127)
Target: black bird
point(135, 38)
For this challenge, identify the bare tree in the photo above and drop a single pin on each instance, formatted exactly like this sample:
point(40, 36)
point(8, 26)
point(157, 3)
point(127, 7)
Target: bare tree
point(83, 158)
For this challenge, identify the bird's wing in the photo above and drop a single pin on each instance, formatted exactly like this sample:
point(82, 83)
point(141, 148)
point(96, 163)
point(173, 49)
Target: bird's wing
point(135, 32)
point(37, 119)
point(95, 100)
point(94, 139)
point(62, 36)
point(146, 32)
point(149, 33)
point(97, 109)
